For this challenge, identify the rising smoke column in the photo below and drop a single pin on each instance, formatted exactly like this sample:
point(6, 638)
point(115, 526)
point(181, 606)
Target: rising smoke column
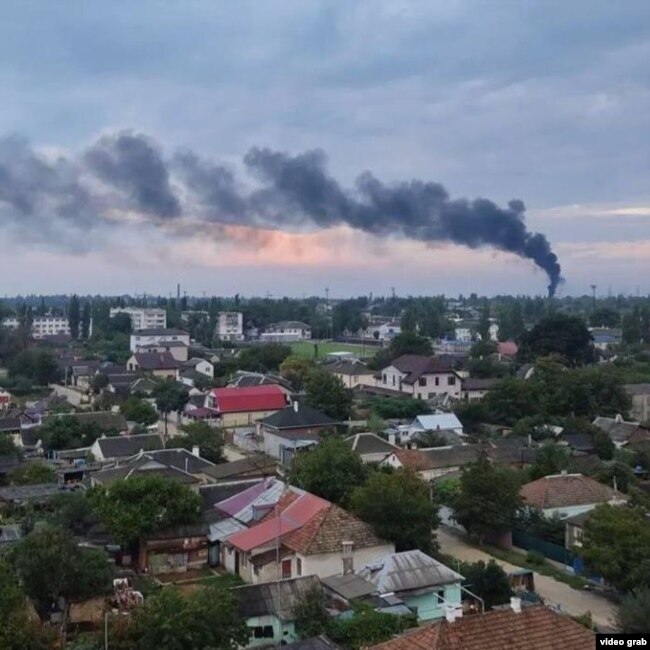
point(126, 172)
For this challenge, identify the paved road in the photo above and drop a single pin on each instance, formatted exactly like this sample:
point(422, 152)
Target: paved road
point(572, 601)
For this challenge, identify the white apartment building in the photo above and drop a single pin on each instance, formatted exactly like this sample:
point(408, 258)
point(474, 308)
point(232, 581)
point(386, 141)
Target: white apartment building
point(286, 332)
point(42, 325)
point(153, 337)
point(143, 317)
point(230, 326)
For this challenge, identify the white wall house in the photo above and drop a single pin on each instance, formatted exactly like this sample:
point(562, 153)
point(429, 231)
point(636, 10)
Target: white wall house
point(421, 377)
point(230, 326)
point(291, 330)
point(157, 336)
point(142, 317)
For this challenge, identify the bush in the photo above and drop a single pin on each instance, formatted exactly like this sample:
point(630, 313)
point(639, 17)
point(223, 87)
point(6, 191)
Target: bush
point(535, 557)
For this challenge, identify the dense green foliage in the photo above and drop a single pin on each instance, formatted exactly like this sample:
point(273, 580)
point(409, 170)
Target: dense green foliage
point(263, 358)
point(331, 470)
point(68, 432)
point(326, 392)
point(616, 545)
point(32, 473)
point(142, 505)
point(488, 581)
point(399, 507)
point(209, 440)
point(488, 499)
point(39, 367)
point(51, 565)
point(170, 396)
point(633, 616)
point(138, 410)
point(295, 369)
point(401, 408)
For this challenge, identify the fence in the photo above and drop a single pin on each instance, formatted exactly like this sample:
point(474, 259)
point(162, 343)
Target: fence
point(550, 550)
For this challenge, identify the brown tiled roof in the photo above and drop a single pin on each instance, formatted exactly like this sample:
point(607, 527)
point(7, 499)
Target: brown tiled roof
point(534, 628)
point(416, 365)
point(562, 490)
point(326, 531)
point(414, 459)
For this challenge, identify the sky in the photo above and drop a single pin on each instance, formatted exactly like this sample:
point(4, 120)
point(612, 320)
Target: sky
point(546, 102)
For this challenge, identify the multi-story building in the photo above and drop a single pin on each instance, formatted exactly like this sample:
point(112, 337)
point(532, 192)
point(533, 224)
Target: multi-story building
point(286, 332)
point(143, 317)
point(230, 326)
point(421, 377)
point(157, 336)
point(42, 325)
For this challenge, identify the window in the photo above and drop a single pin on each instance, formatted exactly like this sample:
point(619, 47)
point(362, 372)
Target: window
point(422, 381)
point(437, 381)
point(298, 566)
point(440, 595)
point(393, 380)
point(263, 632)
point(451, 381)
point(286, 569)
point(384, 378)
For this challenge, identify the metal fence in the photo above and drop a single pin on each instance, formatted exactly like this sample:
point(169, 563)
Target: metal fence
point(550, 550)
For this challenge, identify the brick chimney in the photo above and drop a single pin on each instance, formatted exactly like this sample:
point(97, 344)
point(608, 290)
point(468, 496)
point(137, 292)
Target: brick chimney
point(348, 558)
point(515, 604)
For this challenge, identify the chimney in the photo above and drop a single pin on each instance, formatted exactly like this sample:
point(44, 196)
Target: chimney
point(618, 418)
point(515, 603)
point(195, 451)
point(452, 612)
point(348, 558)
point(295, 406)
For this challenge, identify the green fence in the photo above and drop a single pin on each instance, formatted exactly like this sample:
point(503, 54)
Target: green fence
point(550, 550)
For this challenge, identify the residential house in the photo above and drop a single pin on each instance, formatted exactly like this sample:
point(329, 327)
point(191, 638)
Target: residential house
point(506, 350)
point(422, 583)
point(245, 379)
point(230, 326)
point(474, 389)
point(640, 396)
point(292, 428)
point(440, 423)
point(269, 609)
point(380, 329)
point(121, 447)
point(22, 495)
point(286, 332)
point(421, 377)
point(302, 535)
point(10, 425)
point(574, 529)
point(253, 466)
point(370, 447)
point(175, 550)
point(234, 407)
point(5, 399)
point(508, 628)
point(156, 336)
point(157, 364)
point(177, 349)
point(606, 338)
point(201, 366)
point(567, 494)
point(142, 386)
point(352, 373)
point(143, 318)
point(617, 429)
point(435, 462)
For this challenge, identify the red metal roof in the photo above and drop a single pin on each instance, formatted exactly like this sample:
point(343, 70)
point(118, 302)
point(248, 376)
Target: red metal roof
point(294, 516)
point(250, 398)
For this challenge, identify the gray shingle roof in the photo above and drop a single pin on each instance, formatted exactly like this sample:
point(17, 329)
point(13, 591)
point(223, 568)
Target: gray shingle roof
point(156, 361)
point(258, 464)
point(304, 417)
point(369, 443)
point(617, 429)
point(125, 446)
point(161, 331)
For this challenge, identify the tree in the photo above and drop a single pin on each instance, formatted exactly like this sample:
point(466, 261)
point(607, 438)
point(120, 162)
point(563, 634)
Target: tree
point(605, 317)
point(615, 473)
point(120, 323)
point(488, 581)
point(7, 446)
point(74, 317)
point(409, 343)
point(51, 565)
point(408, 322)
point(488, 500)
point(311, 614)
point(560, 334)
point(72, 511)
point(170, 396)
point(138, 410)
point(616, 545)
point(99, 382)
point(85, 320)
point(32, 474)
point(169, 620)
point(143, 505)
point(38, 366)
point(633, 616)
point(401, 408)
point(263, 358)
point(296, 369)
point(331, 470)
point(209, 440)
point(549, 459)
point(399, 507)
point(484, 323)
point(326, 392)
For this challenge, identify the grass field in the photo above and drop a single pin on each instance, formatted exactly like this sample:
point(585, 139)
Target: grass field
point(306, 348)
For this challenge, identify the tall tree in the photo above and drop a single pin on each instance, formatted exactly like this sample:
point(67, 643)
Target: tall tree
point(170, 396)
point(331, 470)
point(74, 316)
point(488, 581)
point(483, 328)
point(560, 334)
point(550, 459)
point(142, 505)
point(327, 392)
point(85, 320)
point(52, 566)
point(400, 509)
point(488, 499)
point(296, 369)
point(633, 615)
point(209, 440)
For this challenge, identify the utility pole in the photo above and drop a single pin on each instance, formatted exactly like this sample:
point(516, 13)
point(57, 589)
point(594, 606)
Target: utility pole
point(593, 295)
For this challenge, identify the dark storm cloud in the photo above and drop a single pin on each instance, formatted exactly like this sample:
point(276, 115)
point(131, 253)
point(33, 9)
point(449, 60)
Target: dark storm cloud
point(291, 191)
point(133, 163)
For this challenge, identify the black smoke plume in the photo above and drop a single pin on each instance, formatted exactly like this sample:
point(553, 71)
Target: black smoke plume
point(127, 172)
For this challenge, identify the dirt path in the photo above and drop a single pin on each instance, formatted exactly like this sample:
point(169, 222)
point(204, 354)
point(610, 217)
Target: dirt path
point(572, 601)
